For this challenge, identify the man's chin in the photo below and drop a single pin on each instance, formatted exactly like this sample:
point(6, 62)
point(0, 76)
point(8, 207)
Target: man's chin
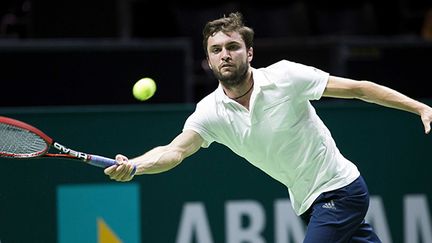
point(229, 82)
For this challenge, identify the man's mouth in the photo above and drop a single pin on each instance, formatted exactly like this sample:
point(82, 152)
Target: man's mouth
point(226, 65)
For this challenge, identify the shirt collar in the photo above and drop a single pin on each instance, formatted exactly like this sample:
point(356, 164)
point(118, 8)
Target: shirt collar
point(260, 79)
point(260, 82)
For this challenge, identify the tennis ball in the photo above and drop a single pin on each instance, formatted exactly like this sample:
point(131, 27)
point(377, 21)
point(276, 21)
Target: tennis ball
point(144, 89)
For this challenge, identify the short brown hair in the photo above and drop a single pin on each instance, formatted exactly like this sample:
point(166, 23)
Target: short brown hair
point(232, 23)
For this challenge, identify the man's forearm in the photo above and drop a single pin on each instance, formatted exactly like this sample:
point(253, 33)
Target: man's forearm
point(157, 160)
point(378, 94)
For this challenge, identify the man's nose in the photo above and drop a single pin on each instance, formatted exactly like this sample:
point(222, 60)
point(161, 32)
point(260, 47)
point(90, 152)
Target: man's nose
point(226, 57)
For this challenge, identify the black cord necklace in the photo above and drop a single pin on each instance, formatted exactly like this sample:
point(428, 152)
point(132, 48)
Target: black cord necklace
point(236, 98)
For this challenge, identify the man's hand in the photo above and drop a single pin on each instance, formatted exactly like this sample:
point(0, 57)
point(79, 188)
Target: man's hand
point(426, 117)
point(122, 171)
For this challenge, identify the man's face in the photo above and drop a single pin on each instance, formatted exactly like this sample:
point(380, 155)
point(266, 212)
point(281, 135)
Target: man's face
point(228, 57)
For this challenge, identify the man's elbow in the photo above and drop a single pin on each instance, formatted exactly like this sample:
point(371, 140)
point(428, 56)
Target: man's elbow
point(365, 90)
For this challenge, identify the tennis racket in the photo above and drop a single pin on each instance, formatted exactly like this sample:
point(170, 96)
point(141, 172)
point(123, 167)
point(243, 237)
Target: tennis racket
point(19, 140)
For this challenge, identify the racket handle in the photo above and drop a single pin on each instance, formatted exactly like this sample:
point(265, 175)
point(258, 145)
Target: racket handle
point(104, 162)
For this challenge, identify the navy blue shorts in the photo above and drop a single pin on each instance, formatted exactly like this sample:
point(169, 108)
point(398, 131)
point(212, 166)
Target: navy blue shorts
point(338, 216)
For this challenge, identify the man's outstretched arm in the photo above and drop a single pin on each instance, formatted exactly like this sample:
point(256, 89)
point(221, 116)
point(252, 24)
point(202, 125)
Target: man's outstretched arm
point(158, 159)
point(338, 87)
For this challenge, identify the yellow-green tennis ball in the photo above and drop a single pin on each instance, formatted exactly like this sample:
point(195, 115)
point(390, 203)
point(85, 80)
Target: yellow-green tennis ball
point(144, 89)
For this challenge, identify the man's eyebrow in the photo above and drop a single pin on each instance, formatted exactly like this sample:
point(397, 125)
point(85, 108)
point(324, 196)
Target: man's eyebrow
point(227, 43)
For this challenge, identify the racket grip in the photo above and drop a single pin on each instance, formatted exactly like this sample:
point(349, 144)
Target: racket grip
point(104, 162)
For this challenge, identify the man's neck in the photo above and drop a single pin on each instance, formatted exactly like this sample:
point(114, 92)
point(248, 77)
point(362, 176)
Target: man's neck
point(242, 93)
point(241, 90)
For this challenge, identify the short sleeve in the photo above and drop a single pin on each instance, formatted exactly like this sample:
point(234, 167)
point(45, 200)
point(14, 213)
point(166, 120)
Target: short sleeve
point(309, 81)
point(305, 82)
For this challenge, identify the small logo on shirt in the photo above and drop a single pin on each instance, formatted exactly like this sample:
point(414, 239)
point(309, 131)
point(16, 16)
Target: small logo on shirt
point(329, 205)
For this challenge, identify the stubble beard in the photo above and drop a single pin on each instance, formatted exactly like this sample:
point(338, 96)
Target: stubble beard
point(233, 79)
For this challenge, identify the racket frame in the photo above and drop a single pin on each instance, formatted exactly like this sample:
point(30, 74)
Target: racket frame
point(65, 152)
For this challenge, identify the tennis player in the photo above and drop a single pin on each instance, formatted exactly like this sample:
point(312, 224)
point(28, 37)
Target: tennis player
point(265, 116)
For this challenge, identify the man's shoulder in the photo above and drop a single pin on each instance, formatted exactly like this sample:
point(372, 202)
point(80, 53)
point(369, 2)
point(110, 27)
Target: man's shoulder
point(287, 68)
point(284, 63)
point(279, 66)
point(276, 70)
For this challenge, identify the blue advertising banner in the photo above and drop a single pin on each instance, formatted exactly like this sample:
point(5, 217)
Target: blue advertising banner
point(105, 213)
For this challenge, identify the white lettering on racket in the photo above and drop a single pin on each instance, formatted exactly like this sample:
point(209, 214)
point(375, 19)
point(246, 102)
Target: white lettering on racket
point(79, 155)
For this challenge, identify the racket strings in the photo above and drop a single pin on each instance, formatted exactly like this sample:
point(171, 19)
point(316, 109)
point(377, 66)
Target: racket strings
point(17, 142)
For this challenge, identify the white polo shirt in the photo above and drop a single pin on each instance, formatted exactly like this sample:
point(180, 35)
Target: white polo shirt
point(281, 134)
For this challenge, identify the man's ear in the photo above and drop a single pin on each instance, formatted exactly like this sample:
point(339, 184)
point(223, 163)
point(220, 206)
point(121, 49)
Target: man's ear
point(250, 54)
point(209, 64)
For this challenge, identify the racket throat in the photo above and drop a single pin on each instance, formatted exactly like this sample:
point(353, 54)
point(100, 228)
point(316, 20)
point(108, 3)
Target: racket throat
point(71, 152)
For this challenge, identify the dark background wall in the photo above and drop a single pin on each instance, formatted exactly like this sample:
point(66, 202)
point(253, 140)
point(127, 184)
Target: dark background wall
point(58, 46)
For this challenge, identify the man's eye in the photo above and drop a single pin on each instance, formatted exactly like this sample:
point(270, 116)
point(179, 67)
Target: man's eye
point(233, 47)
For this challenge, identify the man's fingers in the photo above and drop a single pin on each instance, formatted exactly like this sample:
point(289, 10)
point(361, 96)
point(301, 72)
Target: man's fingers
point(126, 172)
point(122, 171)
point(120, 159)
point(427, 128)
point(109, 170)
